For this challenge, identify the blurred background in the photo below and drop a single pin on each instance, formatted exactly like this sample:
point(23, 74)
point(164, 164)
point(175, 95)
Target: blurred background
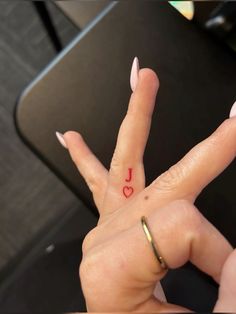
point(42, 222)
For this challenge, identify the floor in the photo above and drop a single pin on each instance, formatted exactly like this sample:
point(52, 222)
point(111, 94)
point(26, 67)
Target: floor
point(30, 195)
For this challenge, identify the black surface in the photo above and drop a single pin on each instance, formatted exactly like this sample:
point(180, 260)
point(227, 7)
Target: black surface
point(51, 283)
point(203, 10)
point(87, 89)
point(27, 200)
point(48, 280)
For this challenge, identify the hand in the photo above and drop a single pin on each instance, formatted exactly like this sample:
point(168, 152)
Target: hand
point(119, 271)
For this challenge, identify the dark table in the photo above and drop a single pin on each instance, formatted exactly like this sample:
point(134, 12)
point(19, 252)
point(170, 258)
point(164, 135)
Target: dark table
point(87, 89)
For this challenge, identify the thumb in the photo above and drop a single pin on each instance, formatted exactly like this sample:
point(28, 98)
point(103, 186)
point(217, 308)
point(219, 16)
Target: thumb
point(227, 292)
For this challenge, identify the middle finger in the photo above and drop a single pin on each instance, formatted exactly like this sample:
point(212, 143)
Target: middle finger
point(127, 173)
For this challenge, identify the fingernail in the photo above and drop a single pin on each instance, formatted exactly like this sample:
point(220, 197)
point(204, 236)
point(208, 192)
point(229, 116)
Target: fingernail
point(134, 74)
point(61, 139)
point(233, 111)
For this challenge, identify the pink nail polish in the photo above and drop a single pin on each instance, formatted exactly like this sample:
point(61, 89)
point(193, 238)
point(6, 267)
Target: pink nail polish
point(134, 74)
point(61, 139)
point(233, 111)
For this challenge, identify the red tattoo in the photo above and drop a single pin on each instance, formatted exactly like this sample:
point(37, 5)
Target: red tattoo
point(128, 191)
point(130, 175)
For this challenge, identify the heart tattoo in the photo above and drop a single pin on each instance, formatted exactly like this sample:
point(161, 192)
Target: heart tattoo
point(128, 191)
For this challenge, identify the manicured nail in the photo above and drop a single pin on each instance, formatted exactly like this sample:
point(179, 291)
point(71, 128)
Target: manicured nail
point(233, 111)
point(134, 74)
point(61, 139)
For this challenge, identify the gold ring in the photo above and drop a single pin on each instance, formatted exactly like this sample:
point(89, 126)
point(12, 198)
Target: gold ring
point(152, 242)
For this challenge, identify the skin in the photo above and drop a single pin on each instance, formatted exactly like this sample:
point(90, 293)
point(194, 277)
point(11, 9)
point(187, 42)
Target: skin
point(118, 261)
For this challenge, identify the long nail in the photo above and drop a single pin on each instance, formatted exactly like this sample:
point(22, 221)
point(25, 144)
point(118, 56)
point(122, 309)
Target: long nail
point(233, 111)
point(134, 74)
point(61, 139)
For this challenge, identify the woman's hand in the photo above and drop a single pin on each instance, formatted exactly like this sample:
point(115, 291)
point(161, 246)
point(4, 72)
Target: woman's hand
point(119, 271)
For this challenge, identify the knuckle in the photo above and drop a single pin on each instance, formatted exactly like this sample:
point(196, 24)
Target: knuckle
point(88, 270)
point(171, 178)
point(94, 279)
point(93, 269)
point(121, 159)
point(88, 241)
point(93, 184)
point(83, 269)
point(188, 216)
point(115, 162)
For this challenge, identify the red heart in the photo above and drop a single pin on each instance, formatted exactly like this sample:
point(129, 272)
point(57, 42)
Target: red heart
point(128, 191)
